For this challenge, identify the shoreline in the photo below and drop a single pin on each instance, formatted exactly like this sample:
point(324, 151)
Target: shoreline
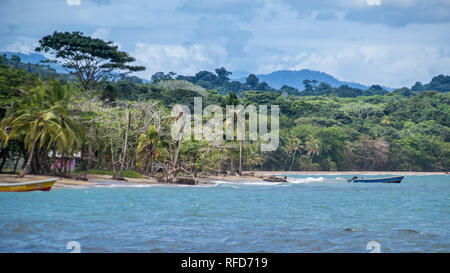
point(95, 180)
point(350, 172)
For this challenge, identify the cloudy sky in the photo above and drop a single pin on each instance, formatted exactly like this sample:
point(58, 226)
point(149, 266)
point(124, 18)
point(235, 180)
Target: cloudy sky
point(389, 42)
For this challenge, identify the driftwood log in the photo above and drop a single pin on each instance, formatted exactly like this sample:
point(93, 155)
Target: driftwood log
point(186, 181)
point(273, 178)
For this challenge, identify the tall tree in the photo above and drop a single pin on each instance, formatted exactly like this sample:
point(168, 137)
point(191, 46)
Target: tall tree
point(294, 144)
point(147, 148)
point(125, 145)
point(223, 74)
point(93, 61)
point(252, 80)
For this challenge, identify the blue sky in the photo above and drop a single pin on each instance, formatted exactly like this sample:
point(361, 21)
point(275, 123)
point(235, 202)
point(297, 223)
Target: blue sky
point(388, 42)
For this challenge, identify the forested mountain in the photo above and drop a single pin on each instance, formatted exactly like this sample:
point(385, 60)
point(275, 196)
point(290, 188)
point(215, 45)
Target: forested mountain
point(290, 81)
point(220, 80)
point(33, 58)
point(295, 79)
point(34, 65)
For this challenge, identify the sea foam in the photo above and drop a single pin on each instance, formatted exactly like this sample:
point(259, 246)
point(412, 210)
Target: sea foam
point(305, 180)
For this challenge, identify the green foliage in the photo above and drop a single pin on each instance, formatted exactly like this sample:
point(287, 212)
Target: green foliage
point(219, 81)
point(126, 173)
point(321, 128)
point(439, 83)
point(40, 118)
point(13, 83)
point(421, 153)
point(37, 70)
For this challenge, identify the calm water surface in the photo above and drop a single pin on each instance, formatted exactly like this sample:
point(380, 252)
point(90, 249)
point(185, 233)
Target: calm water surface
point(315, 213)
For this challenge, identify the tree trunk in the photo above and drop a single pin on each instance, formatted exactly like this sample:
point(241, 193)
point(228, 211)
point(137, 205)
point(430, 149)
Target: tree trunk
point(17, 162)
point(90, 152)
point(151, 163)
point(153, 156)
point(147, 168)
point(293, 160)
point(38, 159)
point(112, 156)
point(25, 169)
point(240, 156)
point(3, 162)
point(195, 168)
point(125, 146)
point(67, 162)
point(175, 159)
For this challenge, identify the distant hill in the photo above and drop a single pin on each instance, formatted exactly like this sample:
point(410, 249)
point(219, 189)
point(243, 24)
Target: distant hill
point(174, 85)
point(295, 79)
point(276, 79)
point(34, 58)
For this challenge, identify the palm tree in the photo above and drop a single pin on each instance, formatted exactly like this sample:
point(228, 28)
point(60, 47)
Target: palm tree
point(42, 118)
point(294, 144)
point(233, 100)
point(312, 147)
point(253, 157)
point(3, 139)
point(147, 147)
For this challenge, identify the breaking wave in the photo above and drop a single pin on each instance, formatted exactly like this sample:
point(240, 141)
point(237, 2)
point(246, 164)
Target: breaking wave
point(246, 183)
point(305, 180)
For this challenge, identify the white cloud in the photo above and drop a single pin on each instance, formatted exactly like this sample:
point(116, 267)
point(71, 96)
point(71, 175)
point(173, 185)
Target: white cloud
point(22, 45)
point(373, 2)
point(395, 43)
point(73, 2)
point(101, 33)
point(186, 60)
point(104, 34)
point(389, 65)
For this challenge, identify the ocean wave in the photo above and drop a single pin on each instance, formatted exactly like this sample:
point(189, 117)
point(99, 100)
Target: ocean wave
point(246, 183)
point(412, 231)
point(354, 229)
point(305, 180)
point(125, 186)
point(129, 185)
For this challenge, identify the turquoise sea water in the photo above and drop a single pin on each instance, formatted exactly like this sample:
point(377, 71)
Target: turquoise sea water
point(315, 213)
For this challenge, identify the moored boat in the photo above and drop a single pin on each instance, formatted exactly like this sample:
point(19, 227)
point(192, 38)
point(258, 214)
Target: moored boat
point(396, 179)
point(39, 185)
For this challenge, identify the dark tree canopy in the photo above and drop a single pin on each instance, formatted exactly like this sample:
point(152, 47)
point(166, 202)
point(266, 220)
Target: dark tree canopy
point(92, 61)
point(223, 74)
point(161, 76)
point(439, 83)
point(289, 90)
point(252, 80)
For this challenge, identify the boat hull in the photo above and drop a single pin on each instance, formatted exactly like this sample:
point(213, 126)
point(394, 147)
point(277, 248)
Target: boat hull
point(40, 185)
point(396, 179)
